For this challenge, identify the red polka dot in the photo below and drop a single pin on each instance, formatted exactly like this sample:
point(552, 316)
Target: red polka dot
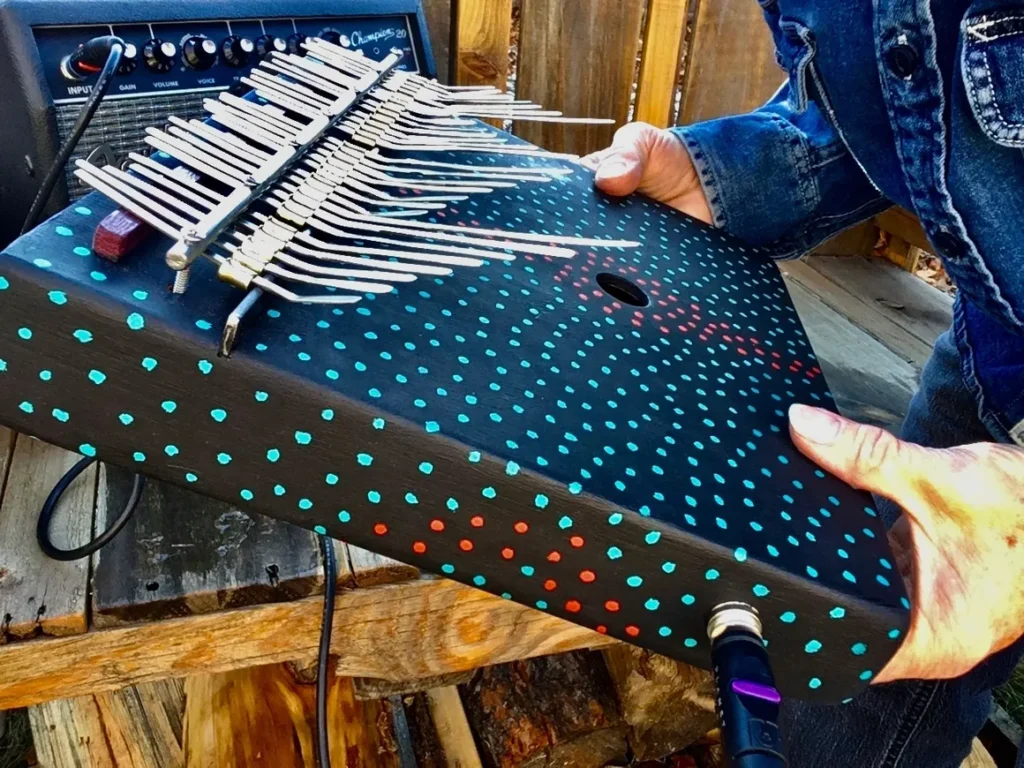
point(576, 541)
point(508, 553)
point(477, 521)
point(612, 605)
point(573, 606)
point(437, 525)
point(380, 529)
point(632, 630)
point(550, 585)
point(419, 547)
point(554, 556)
point(601, 629)
point(587, 577)
point(521, 527)
point(466, 545)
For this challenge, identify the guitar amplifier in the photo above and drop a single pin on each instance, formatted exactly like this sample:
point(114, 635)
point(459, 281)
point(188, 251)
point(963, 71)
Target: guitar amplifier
point(166, 71)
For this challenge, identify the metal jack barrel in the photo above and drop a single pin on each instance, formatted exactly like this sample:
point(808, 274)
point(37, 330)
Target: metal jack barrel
point(748, 702)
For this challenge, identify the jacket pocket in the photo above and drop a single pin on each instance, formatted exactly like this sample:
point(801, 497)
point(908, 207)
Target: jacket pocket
point(992, 63)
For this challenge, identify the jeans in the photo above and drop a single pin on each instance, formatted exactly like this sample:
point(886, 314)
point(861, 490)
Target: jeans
point(910, 724)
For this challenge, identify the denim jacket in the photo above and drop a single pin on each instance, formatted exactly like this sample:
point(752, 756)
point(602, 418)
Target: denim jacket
point(914, 102)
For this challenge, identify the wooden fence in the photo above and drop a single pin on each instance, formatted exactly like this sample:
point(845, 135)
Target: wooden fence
point(665, 62)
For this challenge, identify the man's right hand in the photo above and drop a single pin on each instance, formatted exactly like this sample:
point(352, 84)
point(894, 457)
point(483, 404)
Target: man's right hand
point(654, 162)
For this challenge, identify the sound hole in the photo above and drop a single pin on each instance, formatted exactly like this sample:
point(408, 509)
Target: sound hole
point(621, 289)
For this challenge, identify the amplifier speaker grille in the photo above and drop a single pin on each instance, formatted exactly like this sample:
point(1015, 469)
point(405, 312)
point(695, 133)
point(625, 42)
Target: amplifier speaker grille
point(120, 125)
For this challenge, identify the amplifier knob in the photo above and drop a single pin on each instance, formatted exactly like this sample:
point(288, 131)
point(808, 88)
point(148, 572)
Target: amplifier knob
point(237, 50)
point(159, 55)
point(129, 59)
point(268, 44)
point(200, 52)
point(295, 43)
point(331, 36)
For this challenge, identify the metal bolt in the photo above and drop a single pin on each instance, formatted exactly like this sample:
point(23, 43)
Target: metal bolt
point(181, 281)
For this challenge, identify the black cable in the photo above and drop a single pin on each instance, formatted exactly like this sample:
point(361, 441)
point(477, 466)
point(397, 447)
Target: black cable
point(50, 505)
point(113, 59)
point(330, 583)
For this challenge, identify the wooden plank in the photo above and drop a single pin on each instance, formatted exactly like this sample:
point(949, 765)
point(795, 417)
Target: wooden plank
point(182, 553)
point(137, 727)
point(851, 306)
point(979, 757)
point(370, 569)
point(859, 240)
point(439, 25)
point(396, 632)
point(900, 298)
point(373, 688)
point(668, 705)
point(871, 384)
point(541, 713)
point(904, 224)
point(263, 716)
point(453, 731)
point(730, 62)
point(578, 56)
point(484, 30)
point(6, 449)
point(39, 595)
point(659, 70)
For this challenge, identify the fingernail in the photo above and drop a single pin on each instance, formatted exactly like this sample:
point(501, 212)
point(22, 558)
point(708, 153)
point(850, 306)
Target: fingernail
point(814, 424)
point(612, 170)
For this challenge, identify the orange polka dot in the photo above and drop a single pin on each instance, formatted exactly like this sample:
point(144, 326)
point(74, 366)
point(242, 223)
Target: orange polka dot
point(550, 585)
point(437, 525)
point(573, 606)
point(602, 629)
point(380, 529)
point(419, 547)
point(521, 527)
point(632, 630)
point(477, 521)
point(508, 553)
point(466, 545)
point(612, 605)
point(587, 577)
point(554, 556)
point(576, 541)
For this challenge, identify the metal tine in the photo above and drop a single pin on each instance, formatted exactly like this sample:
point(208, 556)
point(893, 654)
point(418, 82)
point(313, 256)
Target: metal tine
point(333, 272)
point(467, 236)
point(229, 142)
point(317, 69)
point(435, 230)
point(194, 158)
point(505, 150)
point(248, 116)
point(267, 115)
point(308, 78)
point(269, 286)
point(96, 176)
point(352, 194)
point(276, 97)
point(402, 161)
point(222, 114)
point(356, 181)
point(355, 286)
point(127, 199)
point(414, 269)
point(293, 88)
point(171, 186)
point(155, 192)
point(169, 173)
point(336, 56)
point(247, 166)
point(373, 176)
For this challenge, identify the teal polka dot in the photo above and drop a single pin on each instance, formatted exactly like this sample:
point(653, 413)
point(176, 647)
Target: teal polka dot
point(261, 397)
point(26, 406)
point(83, 211)
point(97, 377)
point(218, 414)
point(190, 477)
point(489, 493)
point(205, 367)
point(204, 325)
point(788, 617)
point(58, 297)
point(45, 375)
point(303, 438)
point(98, 276)
point(615, 518)
point(42, 263)
point(126, 418)
point(140, 295)
point(866, 675)
point(542, 605)
point(634, 581)
point(319, 529)
point(139, 456)
point(280, 490)
point(169, 406)
point(305, 504)
point(761, 590)
point(374, 497)
point(426, 467)
point(63, 231)
point(664, 631)
point(894, 634)
point(224, 458)
point(432, 426)
point(858, 649)
point(448, 569)
point(690, 642)
point(614, 553)
point(83, 335)
point(712, 574)
point(273, 455)
point(565, 522)
point(652, 604)
point(247, 494)
point(364, 459)
point(149, 364)
point(410, 498)
point(136, 321)
point(87, 450)
point(653, 537)
point(668, 567)
point(4, 284)
point(344, 516)
point(378, 423)
point(511, 469)
point(814, 683)
point(25, 333)
point(837, 612)
point(689, 599)
point(452, 504)
point(81, 250)
point(575, 488)
point(527, 570)
point(61, 415)
point(3, 365)
point(812, 647)
point(740, 554)
point(327, 414)
point(479, 581)
point(474, 457)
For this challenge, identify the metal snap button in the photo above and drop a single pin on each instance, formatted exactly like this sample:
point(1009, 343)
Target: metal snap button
point(902, 60)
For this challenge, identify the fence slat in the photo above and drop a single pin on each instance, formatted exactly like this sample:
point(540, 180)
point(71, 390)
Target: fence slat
point(439, 22)
point(484, 30)
point(659, 72)
point(578, 56)
point(731, 62)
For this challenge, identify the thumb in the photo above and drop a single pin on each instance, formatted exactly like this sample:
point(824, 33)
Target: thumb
point(622, 168)
point(864, 457)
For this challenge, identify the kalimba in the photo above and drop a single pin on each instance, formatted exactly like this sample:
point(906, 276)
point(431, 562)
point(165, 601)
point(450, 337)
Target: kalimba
point(388, 322)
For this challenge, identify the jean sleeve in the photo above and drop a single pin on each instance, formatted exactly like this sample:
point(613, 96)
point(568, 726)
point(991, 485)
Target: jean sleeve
point(779, 178)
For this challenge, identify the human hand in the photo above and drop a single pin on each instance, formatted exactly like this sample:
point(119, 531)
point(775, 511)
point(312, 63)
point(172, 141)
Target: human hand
point(959, 545)
point(652, 161)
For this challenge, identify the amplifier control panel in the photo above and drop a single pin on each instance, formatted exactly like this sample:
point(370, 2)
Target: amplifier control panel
point(191, 57)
